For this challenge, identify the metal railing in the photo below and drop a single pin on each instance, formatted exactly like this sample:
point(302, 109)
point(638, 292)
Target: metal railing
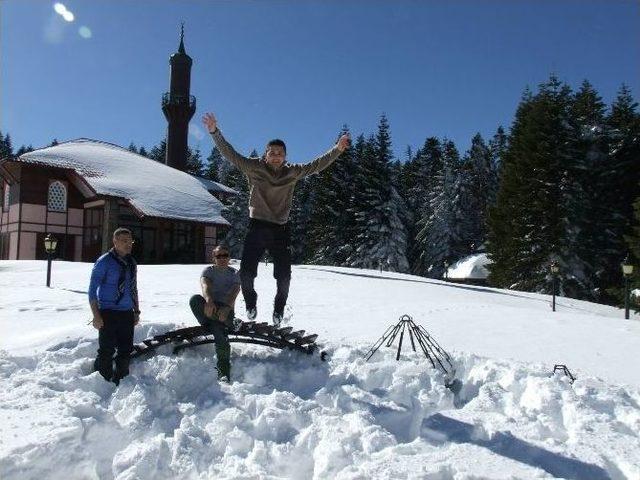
point(177, 99)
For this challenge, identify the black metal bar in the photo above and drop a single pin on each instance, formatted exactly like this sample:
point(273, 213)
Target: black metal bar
point(626, 297)
point(393, 334)
point(378, 343)
point(404, 325)
point(413, 345)
point(49, 259)
point(425, 349)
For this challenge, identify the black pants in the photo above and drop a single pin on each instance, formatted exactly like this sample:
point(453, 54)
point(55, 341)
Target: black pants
point(219, 331)
point(276, 239)
point(115, 335)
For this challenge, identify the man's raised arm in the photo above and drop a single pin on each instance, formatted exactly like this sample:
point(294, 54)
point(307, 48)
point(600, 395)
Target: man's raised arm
point(243, 163)
point(326, 159)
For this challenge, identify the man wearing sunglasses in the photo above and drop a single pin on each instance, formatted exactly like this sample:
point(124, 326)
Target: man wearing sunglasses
point(214, 308)
point(271, 184)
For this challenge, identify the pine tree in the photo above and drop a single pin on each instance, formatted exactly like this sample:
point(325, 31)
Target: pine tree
point(438, 234)
point(583, 193)
point(24, 149)
point(331, 216)
point(528, 223)
point(420, 178)
point(476, 181)
point(236, 212)
point(381, 235)
point(214, 164)
point(622, 173)
point(6, 150)
point(159, 152)
point(194, 165)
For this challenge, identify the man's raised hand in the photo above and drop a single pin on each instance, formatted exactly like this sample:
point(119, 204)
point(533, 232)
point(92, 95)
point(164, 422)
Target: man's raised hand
point(343, 143)
point(210, 122)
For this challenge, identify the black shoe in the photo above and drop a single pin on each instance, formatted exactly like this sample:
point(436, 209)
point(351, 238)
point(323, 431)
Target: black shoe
point(277, 319)
point(252, 313)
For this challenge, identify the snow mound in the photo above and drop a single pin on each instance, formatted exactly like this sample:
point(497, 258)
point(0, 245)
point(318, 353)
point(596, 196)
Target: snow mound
point(289, 415)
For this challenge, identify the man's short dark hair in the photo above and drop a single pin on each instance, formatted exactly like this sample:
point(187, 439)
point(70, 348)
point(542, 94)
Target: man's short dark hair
point(278, 143)
point(122, 231)
point(221, 246)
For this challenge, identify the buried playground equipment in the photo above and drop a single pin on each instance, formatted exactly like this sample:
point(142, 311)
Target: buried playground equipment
point(436, 355)
point(249, 332)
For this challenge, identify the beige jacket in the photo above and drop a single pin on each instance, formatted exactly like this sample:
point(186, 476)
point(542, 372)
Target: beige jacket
point(270, 189)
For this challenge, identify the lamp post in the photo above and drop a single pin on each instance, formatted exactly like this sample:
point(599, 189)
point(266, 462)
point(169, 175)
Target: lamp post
point(554, 279)
point(627, 271)
point(50, 244)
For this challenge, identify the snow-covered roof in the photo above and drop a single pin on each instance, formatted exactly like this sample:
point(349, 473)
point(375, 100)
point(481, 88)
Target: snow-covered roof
point(215, 186)
point(152, 188)
point(473, 266)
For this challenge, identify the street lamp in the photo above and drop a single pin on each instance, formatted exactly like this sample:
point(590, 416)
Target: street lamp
point(554, 276)
point(50, 244)
point(627, 271)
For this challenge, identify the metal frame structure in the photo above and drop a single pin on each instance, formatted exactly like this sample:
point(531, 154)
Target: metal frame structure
point(436, 355)
point(249, 332)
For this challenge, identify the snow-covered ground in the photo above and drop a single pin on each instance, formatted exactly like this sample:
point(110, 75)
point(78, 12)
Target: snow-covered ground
point(288, 415)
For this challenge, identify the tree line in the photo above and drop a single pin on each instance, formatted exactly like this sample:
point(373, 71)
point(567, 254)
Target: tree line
point(562, 185)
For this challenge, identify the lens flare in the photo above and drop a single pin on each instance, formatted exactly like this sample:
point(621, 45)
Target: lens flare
point(68, 16)
point(85, 32)
point(59, 8)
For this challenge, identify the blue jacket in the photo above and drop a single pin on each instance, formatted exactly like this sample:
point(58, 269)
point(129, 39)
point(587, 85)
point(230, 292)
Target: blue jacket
point(104, 285)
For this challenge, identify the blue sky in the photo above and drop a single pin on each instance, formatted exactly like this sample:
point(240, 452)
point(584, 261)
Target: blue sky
point(300, 69)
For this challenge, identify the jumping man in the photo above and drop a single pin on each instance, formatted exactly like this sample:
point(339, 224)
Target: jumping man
point(271, 184)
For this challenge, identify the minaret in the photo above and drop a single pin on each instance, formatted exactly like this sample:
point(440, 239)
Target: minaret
point(178, 107)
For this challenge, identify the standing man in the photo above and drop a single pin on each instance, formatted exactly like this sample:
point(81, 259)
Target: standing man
point(113, 297)
point(271, 185)
point(214, 309)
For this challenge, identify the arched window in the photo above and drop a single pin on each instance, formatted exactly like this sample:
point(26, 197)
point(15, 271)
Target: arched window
point(57, 197)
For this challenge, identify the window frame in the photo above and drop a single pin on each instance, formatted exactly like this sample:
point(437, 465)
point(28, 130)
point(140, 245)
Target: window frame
point(66, 195)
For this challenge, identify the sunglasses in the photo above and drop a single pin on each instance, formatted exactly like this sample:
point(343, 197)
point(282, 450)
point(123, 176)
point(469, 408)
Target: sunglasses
point(222, 255)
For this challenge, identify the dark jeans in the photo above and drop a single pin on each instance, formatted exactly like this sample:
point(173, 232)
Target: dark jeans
point(116, 334)
point(276, 239)
point(219, 331)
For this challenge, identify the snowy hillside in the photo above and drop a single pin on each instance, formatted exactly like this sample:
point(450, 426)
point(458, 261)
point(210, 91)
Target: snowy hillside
point(288, 415)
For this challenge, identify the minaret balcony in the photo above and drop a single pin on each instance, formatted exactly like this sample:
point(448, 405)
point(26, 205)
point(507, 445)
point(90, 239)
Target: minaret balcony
point(177, 99)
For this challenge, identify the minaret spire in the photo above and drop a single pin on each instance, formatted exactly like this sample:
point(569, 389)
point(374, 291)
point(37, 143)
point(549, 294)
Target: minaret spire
point(178, 106)
point(181, 47)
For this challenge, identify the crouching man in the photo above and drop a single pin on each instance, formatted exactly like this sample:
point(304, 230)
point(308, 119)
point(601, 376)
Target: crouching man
point(113, 297)
point(214, 309)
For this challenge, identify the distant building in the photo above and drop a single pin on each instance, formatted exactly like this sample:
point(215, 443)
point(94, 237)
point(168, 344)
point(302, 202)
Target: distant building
point(471, 269)
point(80, 191)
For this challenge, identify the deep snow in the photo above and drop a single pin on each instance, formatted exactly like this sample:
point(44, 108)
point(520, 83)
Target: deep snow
point(288, 415)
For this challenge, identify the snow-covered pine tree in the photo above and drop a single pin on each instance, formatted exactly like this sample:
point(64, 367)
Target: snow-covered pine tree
point(438, 233)
point(623, 178)
point(497, 148)
point(528, 224)
point(214, 164)
point(6, 149)
point(583, 193)
point(332, 220)
point(380, 240)
point(236, 212)
point(477, 179)
point(194, 164)
point(159, 152)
